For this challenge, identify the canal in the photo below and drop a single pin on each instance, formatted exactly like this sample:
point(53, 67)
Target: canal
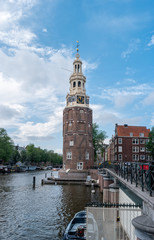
point(40, 214)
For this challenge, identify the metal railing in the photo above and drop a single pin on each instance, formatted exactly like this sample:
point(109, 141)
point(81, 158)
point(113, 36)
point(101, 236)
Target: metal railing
point(142, 174)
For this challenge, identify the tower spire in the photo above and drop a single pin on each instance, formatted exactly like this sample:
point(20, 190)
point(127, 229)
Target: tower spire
point(77, 49)
point(77, 46)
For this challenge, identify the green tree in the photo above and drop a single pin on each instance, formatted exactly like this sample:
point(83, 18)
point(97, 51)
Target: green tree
point(150, 144)
point(6, 146)
point(98, 140)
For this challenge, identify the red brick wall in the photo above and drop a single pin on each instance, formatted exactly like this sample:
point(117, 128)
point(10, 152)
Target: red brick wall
point(77, 127)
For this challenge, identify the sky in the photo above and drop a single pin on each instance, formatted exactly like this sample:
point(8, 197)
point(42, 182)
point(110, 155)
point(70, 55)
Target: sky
point(37, 50)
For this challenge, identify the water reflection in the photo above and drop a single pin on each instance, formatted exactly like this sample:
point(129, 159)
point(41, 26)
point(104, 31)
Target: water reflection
point(39, 214)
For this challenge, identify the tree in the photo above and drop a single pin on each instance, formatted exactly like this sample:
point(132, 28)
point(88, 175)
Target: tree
point(150, 144)
point(6, 146)
point(98, 140)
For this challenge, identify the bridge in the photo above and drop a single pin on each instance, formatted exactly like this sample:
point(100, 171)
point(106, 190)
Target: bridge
point(129, 189)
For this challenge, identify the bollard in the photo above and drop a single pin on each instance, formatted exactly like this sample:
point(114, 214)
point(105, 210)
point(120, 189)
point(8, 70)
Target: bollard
point(45, 175)
point(34, 182)
point(42, 182)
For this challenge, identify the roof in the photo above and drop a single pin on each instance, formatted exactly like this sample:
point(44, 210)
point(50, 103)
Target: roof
point(125, 130)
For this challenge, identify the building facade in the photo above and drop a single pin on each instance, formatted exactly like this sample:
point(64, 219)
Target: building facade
point(78, 153)
point(130, 144)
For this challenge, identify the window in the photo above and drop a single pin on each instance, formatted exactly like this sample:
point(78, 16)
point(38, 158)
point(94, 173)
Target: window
point(120, 149)
point(142, 149)
point(116, 141)
point(79, 84)
point(79, 165)
point(141, 134)
point(78, 68)
point(120, 140)
point(147, 140)
point(74, 84)
point(147, 150)
point(69, 155)
point(90, 144)
point(135, 157)
point(115, 157)
point(120, 157)
point(131, 134)
point(135, 149)
point(148, 157)
point(70, 124)
point(135, 141)
point(81, 111)
point(142, 141)
point(71, 143)
point(142, 157)
point(87, 156)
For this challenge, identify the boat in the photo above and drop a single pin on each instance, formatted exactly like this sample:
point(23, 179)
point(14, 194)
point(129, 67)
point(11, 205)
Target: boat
point(82, 227)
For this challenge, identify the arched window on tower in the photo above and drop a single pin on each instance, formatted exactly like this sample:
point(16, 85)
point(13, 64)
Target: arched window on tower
point(74, 84)
point(83, 85)
point(75, 68)
point(79, 84)
point(78, 68)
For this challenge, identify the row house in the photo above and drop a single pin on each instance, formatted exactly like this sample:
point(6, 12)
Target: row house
point(129, 144)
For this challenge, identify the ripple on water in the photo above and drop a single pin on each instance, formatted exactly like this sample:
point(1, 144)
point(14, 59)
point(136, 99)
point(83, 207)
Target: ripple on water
point(39, 214)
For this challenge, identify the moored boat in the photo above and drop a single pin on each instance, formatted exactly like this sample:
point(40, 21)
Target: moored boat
point(82, 227)
point(76, 228)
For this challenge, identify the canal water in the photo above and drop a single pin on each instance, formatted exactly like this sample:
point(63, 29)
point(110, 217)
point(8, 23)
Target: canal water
point(40, 214)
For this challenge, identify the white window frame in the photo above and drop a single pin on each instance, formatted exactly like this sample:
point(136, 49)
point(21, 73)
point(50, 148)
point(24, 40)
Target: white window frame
point(69, 155)
point(71, 143)
point(79, 165)
point(141, 134)
point(119, 140)
point(142, 149)
point(120, 157)
point(70, 124)
point(142, 141)
point(135, 149)
point(131, 134)
point(119, 148)
point(135, 157)
point(135, 141)
point(142, 157)
point(148, 157)
point(87, 156)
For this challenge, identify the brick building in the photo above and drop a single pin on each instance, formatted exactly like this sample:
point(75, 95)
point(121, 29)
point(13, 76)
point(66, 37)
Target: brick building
point(78, 153)
point(130, 143)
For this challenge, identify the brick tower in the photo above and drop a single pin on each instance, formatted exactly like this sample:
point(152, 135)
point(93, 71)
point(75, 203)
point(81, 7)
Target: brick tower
point(78, 153)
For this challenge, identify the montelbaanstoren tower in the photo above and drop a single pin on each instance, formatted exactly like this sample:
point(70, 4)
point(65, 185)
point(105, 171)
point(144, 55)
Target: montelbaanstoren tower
point(78, 152)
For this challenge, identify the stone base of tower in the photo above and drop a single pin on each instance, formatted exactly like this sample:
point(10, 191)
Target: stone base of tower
point(73, 174)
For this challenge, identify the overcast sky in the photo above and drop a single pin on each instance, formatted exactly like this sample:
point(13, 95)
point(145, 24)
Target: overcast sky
point(37, 49)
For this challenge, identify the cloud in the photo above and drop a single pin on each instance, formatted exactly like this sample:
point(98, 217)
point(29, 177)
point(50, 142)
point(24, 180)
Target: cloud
point(121, 97)
point(109, 117)
point(44, 30)
point(133, 46)
point(149, 100)
point(151, 43)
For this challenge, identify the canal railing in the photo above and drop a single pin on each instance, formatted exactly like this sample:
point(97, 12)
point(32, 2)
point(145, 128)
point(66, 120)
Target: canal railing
point(142, 174)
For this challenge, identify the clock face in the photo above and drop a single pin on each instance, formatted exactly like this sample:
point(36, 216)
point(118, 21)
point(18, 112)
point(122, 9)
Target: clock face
point(80, 99)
